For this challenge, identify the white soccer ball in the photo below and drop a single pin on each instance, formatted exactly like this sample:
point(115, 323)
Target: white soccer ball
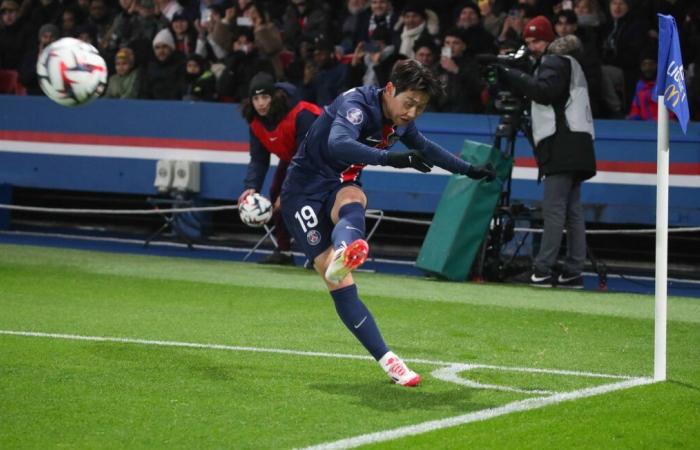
point(255, 211)
point(71, 72)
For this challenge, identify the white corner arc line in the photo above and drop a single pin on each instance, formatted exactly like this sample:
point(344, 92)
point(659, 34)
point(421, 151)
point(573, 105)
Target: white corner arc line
point(484, 414)
point(450, 374)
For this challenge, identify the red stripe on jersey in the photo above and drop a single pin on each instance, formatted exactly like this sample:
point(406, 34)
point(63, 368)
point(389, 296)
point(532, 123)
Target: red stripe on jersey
point(352, 172)
point(387, 130)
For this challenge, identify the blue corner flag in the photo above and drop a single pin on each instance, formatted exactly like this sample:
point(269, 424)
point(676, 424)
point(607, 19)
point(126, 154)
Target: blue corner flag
point(670, 78)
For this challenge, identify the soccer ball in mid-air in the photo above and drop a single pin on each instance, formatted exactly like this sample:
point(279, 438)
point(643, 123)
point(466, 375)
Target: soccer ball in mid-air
point(255, 210)
point(71, 72)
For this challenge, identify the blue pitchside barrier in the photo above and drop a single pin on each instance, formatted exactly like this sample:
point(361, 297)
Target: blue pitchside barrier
point(113, 146)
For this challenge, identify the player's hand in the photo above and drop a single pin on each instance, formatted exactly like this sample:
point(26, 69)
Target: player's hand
point(244, 194)
point(478, 172)
point(403, 160)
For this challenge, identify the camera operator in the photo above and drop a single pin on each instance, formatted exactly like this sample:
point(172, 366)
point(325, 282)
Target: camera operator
point(562, 131)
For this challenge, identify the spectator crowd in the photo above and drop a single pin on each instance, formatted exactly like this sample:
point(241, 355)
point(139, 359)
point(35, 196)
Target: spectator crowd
point(209, 50)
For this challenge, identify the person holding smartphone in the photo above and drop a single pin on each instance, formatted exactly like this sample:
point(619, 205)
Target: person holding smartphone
point(459, 72)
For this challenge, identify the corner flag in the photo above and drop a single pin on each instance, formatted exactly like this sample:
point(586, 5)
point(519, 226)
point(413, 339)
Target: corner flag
point(671, 94)
point(670, 79)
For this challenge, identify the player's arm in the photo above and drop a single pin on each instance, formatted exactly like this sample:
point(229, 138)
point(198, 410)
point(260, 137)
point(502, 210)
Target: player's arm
point(438, 156)
point(257, 168)
point(343, 142)
point(345, 131)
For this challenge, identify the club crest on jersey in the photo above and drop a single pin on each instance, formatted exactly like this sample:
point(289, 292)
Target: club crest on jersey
point(354, 116)
point(313, 237)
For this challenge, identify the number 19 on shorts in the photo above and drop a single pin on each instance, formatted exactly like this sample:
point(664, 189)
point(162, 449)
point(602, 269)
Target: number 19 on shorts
point(306, 217)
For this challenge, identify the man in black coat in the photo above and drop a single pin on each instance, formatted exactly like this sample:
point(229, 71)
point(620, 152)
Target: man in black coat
point(459, 72)
point(562, 129)
point(165, 76)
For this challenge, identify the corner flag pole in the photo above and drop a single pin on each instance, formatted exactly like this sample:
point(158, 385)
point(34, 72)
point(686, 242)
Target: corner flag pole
point(671, 94)
point(662, 159)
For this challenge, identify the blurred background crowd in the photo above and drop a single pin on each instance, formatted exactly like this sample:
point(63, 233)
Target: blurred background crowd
point(208, 50)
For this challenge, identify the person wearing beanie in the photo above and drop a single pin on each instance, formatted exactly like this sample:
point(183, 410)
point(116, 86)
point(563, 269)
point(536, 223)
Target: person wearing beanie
point(414, 27)
point(479, 40)
point(278, 123)
point(124, 83)
point(562, 132)
point(164, 38)
point(538, 33)
point(164, 78)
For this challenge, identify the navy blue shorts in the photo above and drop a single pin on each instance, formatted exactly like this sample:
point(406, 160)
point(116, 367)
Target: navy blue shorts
point(308, 219)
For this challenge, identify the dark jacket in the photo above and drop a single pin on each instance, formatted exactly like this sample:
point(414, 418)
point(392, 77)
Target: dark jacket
point(315, 22)
point(14, 41)
point(565, 151)
point(462, 89)
point(165, 80)
point(200, 87)
point(364, 20)
point(240, 67)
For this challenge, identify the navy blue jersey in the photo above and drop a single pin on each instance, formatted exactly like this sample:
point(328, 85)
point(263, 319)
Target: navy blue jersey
point(351, 133)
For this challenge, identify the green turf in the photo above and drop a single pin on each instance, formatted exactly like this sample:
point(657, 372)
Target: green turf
point(80, 394)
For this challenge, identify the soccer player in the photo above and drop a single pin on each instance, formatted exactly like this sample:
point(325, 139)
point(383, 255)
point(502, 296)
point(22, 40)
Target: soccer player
point(278, 123)
point(323, 203)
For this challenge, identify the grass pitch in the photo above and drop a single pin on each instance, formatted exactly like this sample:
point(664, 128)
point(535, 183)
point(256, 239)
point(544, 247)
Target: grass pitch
point(61, 392)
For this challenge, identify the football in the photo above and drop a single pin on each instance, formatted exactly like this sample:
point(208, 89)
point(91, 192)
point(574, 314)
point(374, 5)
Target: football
point(71, 72)
point(255, 211)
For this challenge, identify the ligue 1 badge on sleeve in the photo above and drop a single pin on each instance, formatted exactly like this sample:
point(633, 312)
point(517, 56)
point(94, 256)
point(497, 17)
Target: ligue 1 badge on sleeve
point(354, 116)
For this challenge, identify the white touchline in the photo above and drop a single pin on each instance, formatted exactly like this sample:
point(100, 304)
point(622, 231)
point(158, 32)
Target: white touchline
point(238, 348)
point(447, 373)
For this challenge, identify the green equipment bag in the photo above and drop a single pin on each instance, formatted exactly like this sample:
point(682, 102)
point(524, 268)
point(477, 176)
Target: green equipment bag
point(463, 215)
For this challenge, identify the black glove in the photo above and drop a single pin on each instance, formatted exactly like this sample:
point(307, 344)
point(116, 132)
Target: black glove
point(478, 172)
point(402, 160)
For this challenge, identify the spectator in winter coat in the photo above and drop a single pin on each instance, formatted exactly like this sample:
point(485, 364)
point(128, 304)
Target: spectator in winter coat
point(326, 77)
point(200, 83)
point(460, 74)
point(124, 83)
point(382, 16)
point(165, 76)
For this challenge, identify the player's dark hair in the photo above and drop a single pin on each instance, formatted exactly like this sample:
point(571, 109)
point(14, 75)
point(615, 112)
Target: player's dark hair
point(279, 107)
point(411, 75)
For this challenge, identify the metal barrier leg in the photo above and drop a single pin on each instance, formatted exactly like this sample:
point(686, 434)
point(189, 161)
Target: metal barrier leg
point(268, 233)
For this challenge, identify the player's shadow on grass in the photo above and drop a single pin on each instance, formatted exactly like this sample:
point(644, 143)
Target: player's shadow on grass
point(172, 359)
point(385, 397)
